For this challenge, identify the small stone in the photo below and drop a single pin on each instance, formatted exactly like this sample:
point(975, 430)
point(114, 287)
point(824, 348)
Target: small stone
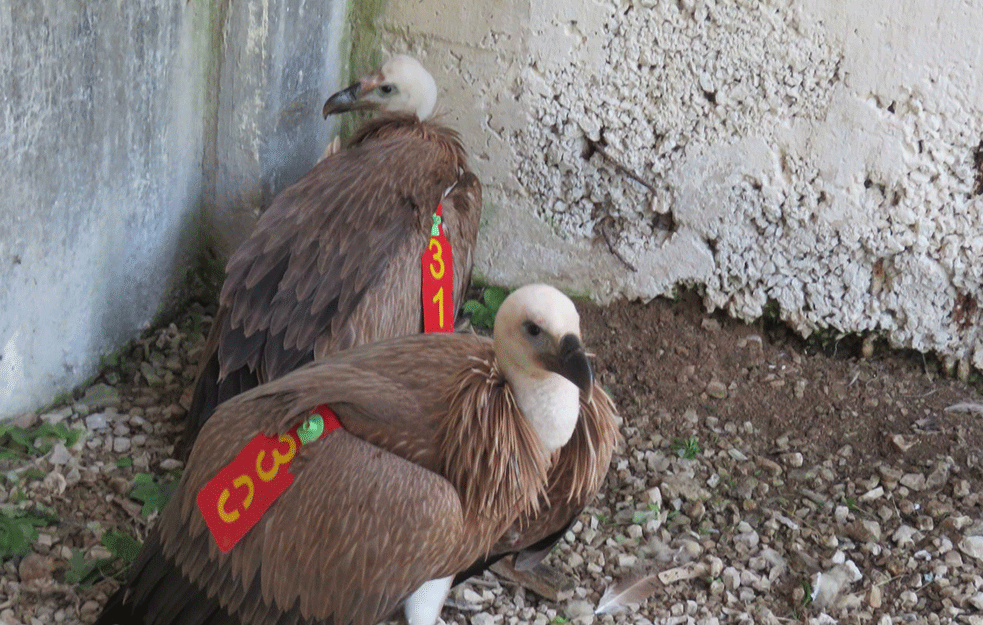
point(769, 465)
point(874, 597)
point(793, 459)
point(976, 601)
point(578, 608)
point(90, 607)
point(864, 531)
point(59, 455)
point(901, 443)
point(96, 421)
point(33, 567)
point(905, 535)
point(736, 454)
point(57, 416)
point(682, 485)
point(717, 587)
point(626, 561)
point(841, 514)
point(960, 489)
point(100, 396)
point(484, 618)
point(914, 481)
point(121, 444)
point(799, 389)
point(470, 596)
point(939, 476)
point(748, 539)
point(872, 494)
point(972, 546)
point(150, 374)
point(98, 552)
point(169, 464)
point(889, 476)
point(731, 578)
point(717, 389)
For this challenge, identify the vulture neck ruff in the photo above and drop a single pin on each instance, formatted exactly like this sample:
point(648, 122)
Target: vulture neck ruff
point(490, 453)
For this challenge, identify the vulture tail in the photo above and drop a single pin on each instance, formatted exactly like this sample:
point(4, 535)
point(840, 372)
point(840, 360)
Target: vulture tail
point(525, 559)
point(209, 393)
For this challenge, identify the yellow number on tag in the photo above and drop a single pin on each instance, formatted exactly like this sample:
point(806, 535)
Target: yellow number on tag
point(230, 517)
point(438, 299)
point(278, 459)
point(437, 256)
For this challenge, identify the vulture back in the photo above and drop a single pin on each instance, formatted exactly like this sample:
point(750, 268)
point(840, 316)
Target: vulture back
point(336, 261)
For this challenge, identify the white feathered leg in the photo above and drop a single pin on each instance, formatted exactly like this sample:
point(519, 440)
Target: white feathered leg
point(423, 606)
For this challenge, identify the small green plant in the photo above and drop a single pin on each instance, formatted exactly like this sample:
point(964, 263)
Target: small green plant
point(559, 620)
point(807, 587)
point(153, 494)
point(483, 313)
point(107, 361)
point(38, 441)
point(84, 572)
point(18, 529)
point(121, 545)
point(641, 516)
point(124, 463)
point(688, 448)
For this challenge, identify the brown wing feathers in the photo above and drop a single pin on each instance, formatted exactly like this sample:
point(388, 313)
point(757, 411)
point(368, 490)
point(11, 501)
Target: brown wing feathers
point(335, 261)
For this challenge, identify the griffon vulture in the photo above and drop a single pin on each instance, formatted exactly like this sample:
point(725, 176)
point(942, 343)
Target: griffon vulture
point(338, 258)
point(443, 442)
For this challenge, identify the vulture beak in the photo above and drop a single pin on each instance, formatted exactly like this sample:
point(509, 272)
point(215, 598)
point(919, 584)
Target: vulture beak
point(571, 362)
point(352, 98)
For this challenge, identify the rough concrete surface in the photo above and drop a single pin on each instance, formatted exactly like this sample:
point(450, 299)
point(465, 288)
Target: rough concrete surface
point(823, 155)
point(121, 125)
point(278, 61)
point(101, 156)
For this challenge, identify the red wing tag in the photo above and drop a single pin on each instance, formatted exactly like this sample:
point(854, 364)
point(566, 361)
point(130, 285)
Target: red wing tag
point(233, 501)
point(438, 280)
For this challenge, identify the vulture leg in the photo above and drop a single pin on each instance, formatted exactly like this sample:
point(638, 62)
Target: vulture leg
point(423, 606)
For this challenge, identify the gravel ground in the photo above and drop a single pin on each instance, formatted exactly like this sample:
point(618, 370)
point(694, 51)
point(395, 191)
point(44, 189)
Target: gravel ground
point(760, 482)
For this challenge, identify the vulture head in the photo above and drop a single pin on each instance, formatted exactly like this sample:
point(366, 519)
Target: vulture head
point(539, 351)
point(401, 85)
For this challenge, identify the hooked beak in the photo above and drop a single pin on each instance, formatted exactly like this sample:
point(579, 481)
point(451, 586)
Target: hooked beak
point(571, 362)
point(351, 98)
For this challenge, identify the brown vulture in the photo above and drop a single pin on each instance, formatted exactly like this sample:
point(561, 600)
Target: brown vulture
point(336, 260)
point(446, 441)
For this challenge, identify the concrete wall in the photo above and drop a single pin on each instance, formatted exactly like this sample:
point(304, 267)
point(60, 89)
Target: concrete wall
point(824, 155)
point(121, 122)
point(276, 63)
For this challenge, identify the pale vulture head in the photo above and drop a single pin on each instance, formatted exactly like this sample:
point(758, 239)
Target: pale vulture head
point(401, 85)
point(539, 350)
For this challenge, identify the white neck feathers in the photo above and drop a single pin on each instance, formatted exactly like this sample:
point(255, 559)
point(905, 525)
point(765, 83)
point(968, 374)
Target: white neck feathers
point(551, 404)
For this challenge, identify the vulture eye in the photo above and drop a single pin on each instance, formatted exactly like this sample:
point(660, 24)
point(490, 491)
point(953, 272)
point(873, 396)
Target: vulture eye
point(532, 329)
point(387, 89)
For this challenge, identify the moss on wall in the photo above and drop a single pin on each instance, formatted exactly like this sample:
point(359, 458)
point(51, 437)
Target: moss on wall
point(363, 41)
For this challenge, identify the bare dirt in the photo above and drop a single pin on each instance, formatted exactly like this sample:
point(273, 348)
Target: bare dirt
point(760, 476)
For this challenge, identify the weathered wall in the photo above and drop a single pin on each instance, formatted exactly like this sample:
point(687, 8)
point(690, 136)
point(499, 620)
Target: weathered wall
point(120, 122)
point(274, 64)
point(823, 155)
